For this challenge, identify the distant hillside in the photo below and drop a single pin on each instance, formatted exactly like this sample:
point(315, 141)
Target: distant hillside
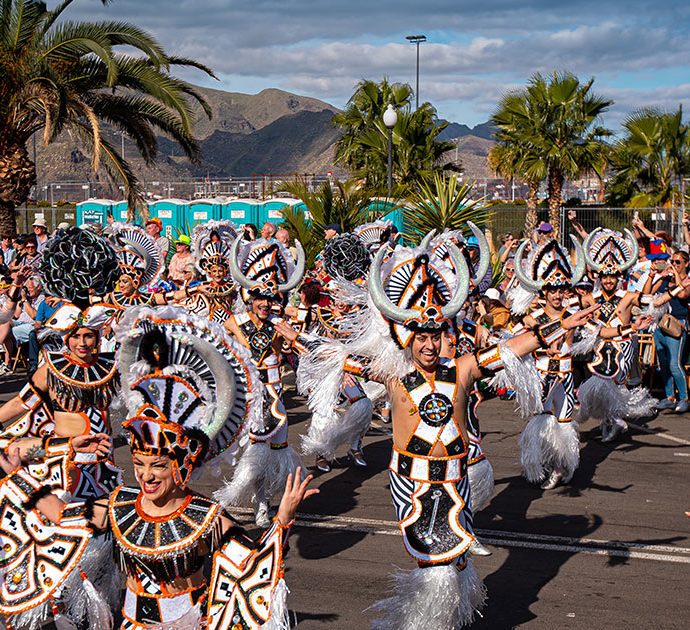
point(272, 132)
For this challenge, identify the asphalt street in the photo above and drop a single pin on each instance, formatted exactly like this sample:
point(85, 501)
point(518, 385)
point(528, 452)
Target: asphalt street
point(608, 550)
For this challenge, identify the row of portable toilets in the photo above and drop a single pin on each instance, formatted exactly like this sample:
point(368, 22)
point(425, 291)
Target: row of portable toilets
point(179, 215)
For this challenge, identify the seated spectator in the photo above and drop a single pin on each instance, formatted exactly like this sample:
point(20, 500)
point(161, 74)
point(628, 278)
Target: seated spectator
point(40, 229)
point(8, 252)
point(268, 230)
point(154, 227)
point(192, 277)
point(250, 231)
point(181, 257)
point(17, 330)
point(46, 309)
point(28, 255)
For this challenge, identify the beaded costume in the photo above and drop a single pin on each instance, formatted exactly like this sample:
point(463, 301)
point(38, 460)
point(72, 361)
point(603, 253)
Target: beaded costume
point(549, 444)
point(266, 270)
point(211, 244)
point(604, 395)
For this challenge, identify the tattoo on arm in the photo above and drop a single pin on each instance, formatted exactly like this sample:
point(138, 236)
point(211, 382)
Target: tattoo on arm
point(35, 453)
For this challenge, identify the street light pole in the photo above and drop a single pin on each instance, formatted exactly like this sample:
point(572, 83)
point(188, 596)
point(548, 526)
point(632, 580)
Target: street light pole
point(390, 118)
point(416, 39)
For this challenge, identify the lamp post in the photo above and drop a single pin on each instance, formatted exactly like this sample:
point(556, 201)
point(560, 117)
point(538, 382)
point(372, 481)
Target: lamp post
point(390, 118)
point(416, 39)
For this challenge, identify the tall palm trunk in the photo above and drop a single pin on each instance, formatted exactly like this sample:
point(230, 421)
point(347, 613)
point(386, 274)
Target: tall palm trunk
point(17, 176)
point(555, 190)
point(532, 201)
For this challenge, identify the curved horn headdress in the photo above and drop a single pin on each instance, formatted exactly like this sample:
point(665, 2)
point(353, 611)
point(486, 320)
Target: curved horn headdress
point(609, 253)
point(139, 257)
point(212, 242)
point(422, 279)
point(271, 265)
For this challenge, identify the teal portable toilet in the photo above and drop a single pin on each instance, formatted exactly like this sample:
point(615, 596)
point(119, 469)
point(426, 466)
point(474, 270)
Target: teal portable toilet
point(171, 212)
point(272, 208)
point(241, 211)
point(202, 210)
point(120, 211)
point(94, 211)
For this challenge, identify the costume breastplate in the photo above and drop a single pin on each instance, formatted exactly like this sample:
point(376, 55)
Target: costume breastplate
point(164, 548)
point(607, 313)
point(78, 386)
point(260, 340)
point(434, 404)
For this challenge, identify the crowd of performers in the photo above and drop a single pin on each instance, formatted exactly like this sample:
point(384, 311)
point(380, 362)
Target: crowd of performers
point(193, 377)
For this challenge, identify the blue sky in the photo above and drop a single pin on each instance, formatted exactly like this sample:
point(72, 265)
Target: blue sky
point(638, 51)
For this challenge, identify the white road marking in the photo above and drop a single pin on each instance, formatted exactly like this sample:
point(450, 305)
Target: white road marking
point(682, 454)
point(666, 436)
point(524, 540)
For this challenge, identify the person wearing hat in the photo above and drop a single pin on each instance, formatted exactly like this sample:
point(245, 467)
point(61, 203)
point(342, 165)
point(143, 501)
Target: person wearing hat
point(544, 233)
point(181, 257)
point(154, 227)
point(41, 233)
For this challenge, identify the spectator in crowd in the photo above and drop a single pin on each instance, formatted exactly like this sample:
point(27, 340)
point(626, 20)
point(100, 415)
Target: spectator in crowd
point(577, 226)
point(509, 277)
point(474, 254)
point(331, 230)
point(250, 231)
point(8, 252)
point(268, 231)
point(283, 236)
point(507, 240)
point(163, 284)
point(544, 233)
point(640, 270)
point(669, 347)
point(28, 255)
point(394, 238)
point(154, 227)
point(18, 243)
point(181, 257)
point(17, 330)
point(192, 277)
point(40, 233)
point(46, 309)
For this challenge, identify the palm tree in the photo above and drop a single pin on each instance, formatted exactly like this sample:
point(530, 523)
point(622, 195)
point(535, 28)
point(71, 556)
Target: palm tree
point(554, 122)
point(348, 206)
point(363, 145)
point(60, 76)
point(442, 203)
point(650, 159)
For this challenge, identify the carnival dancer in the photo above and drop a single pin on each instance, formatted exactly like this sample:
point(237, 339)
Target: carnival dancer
point(604, 395)
point(265, 275)
point(141, 264)
point(398, 342)
point(211, 244)
point(549, 444)
point(192, 395)
point(347, 261)
point(69, 396)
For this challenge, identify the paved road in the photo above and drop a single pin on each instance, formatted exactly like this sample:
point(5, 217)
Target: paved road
point(610, 549)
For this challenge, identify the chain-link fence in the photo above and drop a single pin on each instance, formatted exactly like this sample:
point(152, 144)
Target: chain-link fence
point(512, 219)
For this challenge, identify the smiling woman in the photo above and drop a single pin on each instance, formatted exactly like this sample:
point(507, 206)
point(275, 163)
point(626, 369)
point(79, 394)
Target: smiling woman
point(191, 396)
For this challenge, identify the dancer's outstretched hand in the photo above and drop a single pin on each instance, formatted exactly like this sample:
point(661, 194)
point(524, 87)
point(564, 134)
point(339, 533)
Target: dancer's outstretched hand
point(295, 492)
point(99, 443)
point(11, 461)
point(579, 318)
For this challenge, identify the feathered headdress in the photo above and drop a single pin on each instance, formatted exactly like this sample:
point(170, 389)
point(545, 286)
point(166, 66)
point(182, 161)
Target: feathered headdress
point(212, 242)
point(193, 390)
point(265, 268)
point(609, 253)
point(139, 256)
